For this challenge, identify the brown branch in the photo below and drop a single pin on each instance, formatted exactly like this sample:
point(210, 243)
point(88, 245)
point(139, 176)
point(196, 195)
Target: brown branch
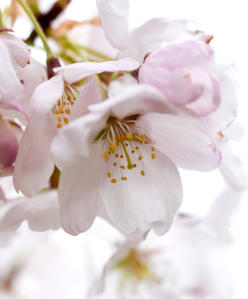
point(46, 19)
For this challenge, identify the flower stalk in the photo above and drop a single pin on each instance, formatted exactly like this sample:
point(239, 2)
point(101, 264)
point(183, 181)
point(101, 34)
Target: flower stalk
point(37, 27)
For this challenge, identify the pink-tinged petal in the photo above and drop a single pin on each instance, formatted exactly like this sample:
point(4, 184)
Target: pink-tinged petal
point(78, 71)
point(31, 76)
point(181, 55)
point(41, 212)
point(8, 144)
point(2, 195)
point(7, 171)
point(113, 15)
point(138, 99)
point(176, 85)
point(12, 110)
point(183, 139)
point(210, 99)
point(72, 142)
point(79, 192)
point(34, 163)
point(151, 35)
point(18, 49)
point(10, 85)
point(89, 94)
point(145, 202)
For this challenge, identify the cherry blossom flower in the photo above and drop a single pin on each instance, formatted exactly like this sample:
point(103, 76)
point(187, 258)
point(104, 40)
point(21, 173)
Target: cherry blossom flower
point(183, 73)
point(54, 104)
point(187, 263)
point(127, 163)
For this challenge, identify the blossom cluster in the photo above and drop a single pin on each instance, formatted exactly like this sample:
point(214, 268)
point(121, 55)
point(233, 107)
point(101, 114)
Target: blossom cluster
point(103, 129)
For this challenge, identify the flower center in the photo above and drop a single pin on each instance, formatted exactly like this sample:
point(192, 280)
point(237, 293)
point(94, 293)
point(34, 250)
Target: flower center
point(62, 109)
point(123, 143)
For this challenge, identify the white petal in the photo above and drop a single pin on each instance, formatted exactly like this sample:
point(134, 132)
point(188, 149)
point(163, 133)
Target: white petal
point(78, 71)
point(183, 139)
point(41, 212)
point(138, 99)
point(144, 202)
point(10, 85)
point(34, 163)
point(18, 49)
point(113, 15)
point(80, 191)
point(232, 169)
point(151, 35)
point(72, 142)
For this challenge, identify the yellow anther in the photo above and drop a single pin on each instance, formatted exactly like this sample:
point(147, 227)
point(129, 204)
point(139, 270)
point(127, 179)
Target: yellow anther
point(134, 165)
point(124, 178)
point(122, 167)
point(105, 156)
point(59, 118)
point(114, 163)
point(116, 155)
point(59, 103)
point(121, 156)
point(66, 121)
point(61, 110)
point(129, 136)
point(59, 125)
point(56, 112)
point(109, 174)
point(136, 147)
point(153, 148)
point(133, 151)
point(67, 111)
point(140, 158)
point(142, 173)
point(145, 142)
point(153, 156)
point(114, 181)
point(142, 137)
point(113, 147)
point(64, 103)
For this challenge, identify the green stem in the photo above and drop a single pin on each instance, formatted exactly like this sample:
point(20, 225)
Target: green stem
point(37, 27)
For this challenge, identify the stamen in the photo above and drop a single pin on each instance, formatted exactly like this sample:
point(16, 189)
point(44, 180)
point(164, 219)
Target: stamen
point(109, 174)
point(105, 156)
point(153, 156)
point(129, 164)
point(113, 181)
point(142, 173)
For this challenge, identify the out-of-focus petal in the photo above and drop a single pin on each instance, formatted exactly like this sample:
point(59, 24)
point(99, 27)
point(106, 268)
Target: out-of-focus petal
point(113, 15)
point(41, 212)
